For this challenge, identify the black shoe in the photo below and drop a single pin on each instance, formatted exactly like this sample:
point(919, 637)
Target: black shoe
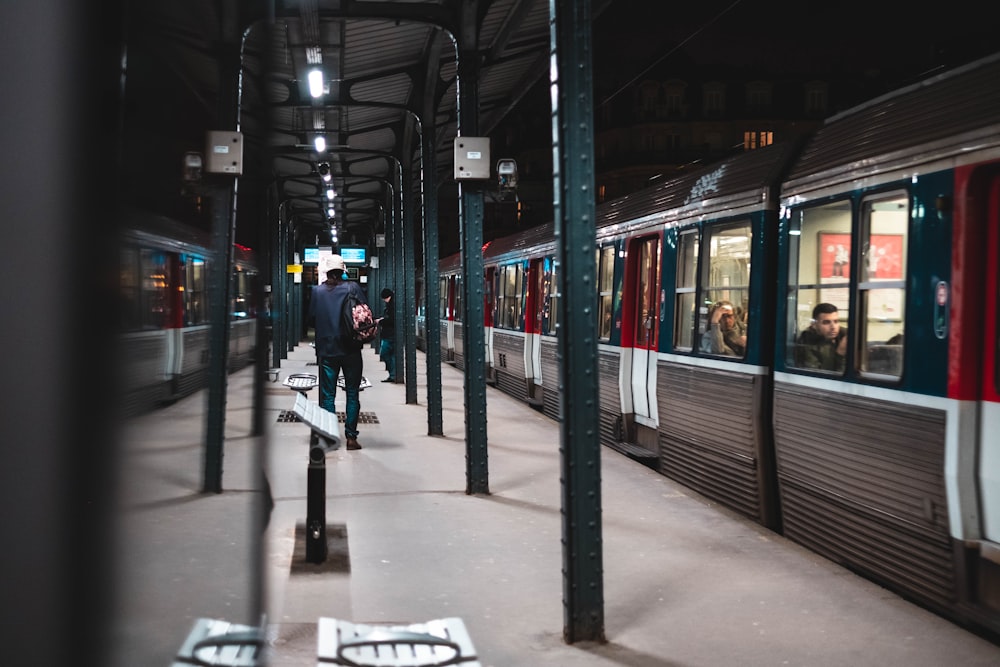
point(389, 380)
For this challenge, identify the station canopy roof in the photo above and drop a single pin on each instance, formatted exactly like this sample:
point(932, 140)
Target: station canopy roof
point(388, 72)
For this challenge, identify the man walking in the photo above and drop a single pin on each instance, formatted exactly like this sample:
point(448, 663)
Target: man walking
point(335, 349)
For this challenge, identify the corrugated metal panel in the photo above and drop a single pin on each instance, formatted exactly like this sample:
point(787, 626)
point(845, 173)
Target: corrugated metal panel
point(374, 47)
point(551, 396)
point(447, 354)
point(607, 396)
point(877, 508)
point(911, 126)
point(512, 247)
point(740, 181)
point(459, 345)
point(508, 361)
point(709, 434)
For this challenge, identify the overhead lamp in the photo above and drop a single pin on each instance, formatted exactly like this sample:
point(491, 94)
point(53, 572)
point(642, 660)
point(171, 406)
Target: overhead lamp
point(316, 82)
point(330, 194)
point(329, 212)
point(324, 171)
point(320, 143)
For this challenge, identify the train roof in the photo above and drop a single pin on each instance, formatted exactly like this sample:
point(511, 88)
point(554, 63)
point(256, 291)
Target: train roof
point(736, 185)
point(905, 131)
point(733, 186)
point(159, 231)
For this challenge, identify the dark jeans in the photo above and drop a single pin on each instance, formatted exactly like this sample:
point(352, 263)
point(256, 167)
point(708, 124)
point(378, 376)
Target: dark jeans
point(329, 368)
point(387, 353)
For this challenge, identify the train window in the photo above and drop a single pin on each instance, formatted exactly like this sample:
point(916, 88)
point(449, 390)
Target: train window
point(129, 288)
point(509, 297)
point(443, 298)
point(686, 290)
point(819, 273)
point(242, 295)
point(647, 272)
point(605, 293)
point(154, 299)
point(726, 282)
point(195, 290)
point(881, 285)
point(458, 303)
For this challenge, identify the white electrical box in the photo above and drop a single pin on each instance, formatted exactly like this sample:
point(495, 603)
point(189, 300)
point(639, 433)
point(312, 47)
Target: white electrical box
point(472, 158)
point(224, 153)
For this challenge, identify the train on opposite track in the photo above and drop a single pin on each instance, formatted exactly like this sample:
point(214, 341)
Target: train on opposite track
point(888, 461)
point(165, 334)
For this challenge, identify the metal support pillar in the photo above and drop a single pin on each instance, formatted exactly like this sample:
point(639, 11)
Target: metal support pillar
point(470, 216)
point(222, 195)
point(406, 343)
point(573, 192)
point(432, 292)
point(221, 198)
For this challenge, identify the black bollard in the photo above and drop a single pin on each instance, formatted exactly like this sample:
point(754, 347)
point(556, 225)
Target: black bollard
point(316, 549)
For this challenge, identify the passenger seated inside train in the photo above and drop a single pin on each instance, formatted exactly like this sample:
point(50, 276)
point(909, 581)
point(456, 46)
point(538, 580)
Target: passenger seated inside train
point(823, 344)
point(726, 333)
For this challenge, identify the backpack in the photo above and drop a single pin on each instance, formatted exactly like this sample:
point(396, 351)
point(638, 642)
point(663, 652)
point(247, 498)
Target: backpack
point(359, 322)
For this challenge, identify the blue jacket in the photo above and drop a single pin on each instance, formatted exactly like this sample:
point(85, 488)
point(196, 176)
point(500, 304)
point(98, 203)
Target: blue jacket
point(326, 309)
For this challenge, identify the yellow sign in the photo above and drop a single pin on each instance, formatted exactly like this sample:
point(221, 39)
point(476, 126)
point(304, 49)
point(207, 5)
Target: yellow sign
point(293, 268)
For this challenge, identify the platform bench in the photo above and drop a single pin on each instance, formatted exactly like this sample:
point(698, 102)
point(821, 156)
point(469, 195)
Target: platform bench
point(324, 424)
point(440, 642)
point(216, 642)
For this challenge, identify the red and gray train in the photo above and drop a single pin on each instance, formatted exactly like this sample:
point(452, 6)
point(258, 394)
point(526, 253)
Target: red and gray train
point(164, 307)
point(890, 211)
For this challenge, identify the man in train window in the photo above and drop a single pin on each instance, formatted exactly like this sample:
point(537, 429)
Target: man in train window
point(823, 345)
point(726, 333)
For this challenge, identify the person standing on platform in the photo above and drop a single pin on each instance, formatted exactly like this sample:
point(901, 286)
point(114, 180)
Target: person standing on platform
point(335, 350)
point(387, 332)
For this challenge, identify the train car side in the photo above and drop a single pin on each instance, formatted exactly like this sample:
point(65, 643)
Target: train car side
point(165, 333)
point(878, 452)
point(877, 458)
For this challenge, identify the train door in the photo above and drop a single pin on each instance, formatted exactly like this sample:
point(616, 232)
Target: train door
point(989, 413)
point(171, 275)
point(534, 323)
point(641, 323)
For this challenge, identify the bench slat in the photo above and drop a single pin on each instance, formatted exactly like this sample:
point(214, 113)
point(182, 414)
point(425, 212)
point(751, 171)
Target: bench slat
point(417, 645)
point(323, 422)
point(216, 642)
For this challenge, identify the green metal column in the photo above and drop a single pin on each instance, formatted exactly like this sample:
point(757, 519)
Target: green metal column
point(405, 315)
point(222, 194)
point(278, 277)
point(432, 295)
point(573, 192)
point(470, 216)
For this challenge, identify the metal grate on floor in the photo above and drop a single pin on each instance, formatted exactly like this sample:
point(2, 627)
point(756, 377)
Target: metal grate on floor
point(286, 416)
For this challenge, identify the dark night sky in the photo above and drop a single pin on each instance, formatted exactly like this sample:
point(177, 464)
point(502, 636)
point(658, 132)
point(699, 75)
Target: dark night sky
point(795, 37)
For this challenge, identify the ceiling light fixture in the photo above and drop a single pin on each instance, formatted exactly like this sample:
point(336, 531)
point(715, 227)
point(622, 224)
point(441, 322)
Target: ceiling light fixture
point(320, 143)
point(316, 82)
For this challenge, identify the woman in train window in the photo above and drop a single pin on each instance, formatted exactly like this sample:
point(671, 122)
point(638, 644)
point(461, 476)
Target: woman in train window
point(726, 334)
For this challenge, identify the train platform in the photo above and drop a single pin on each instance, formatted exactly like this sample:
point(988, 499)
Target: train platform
point(686, 582)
